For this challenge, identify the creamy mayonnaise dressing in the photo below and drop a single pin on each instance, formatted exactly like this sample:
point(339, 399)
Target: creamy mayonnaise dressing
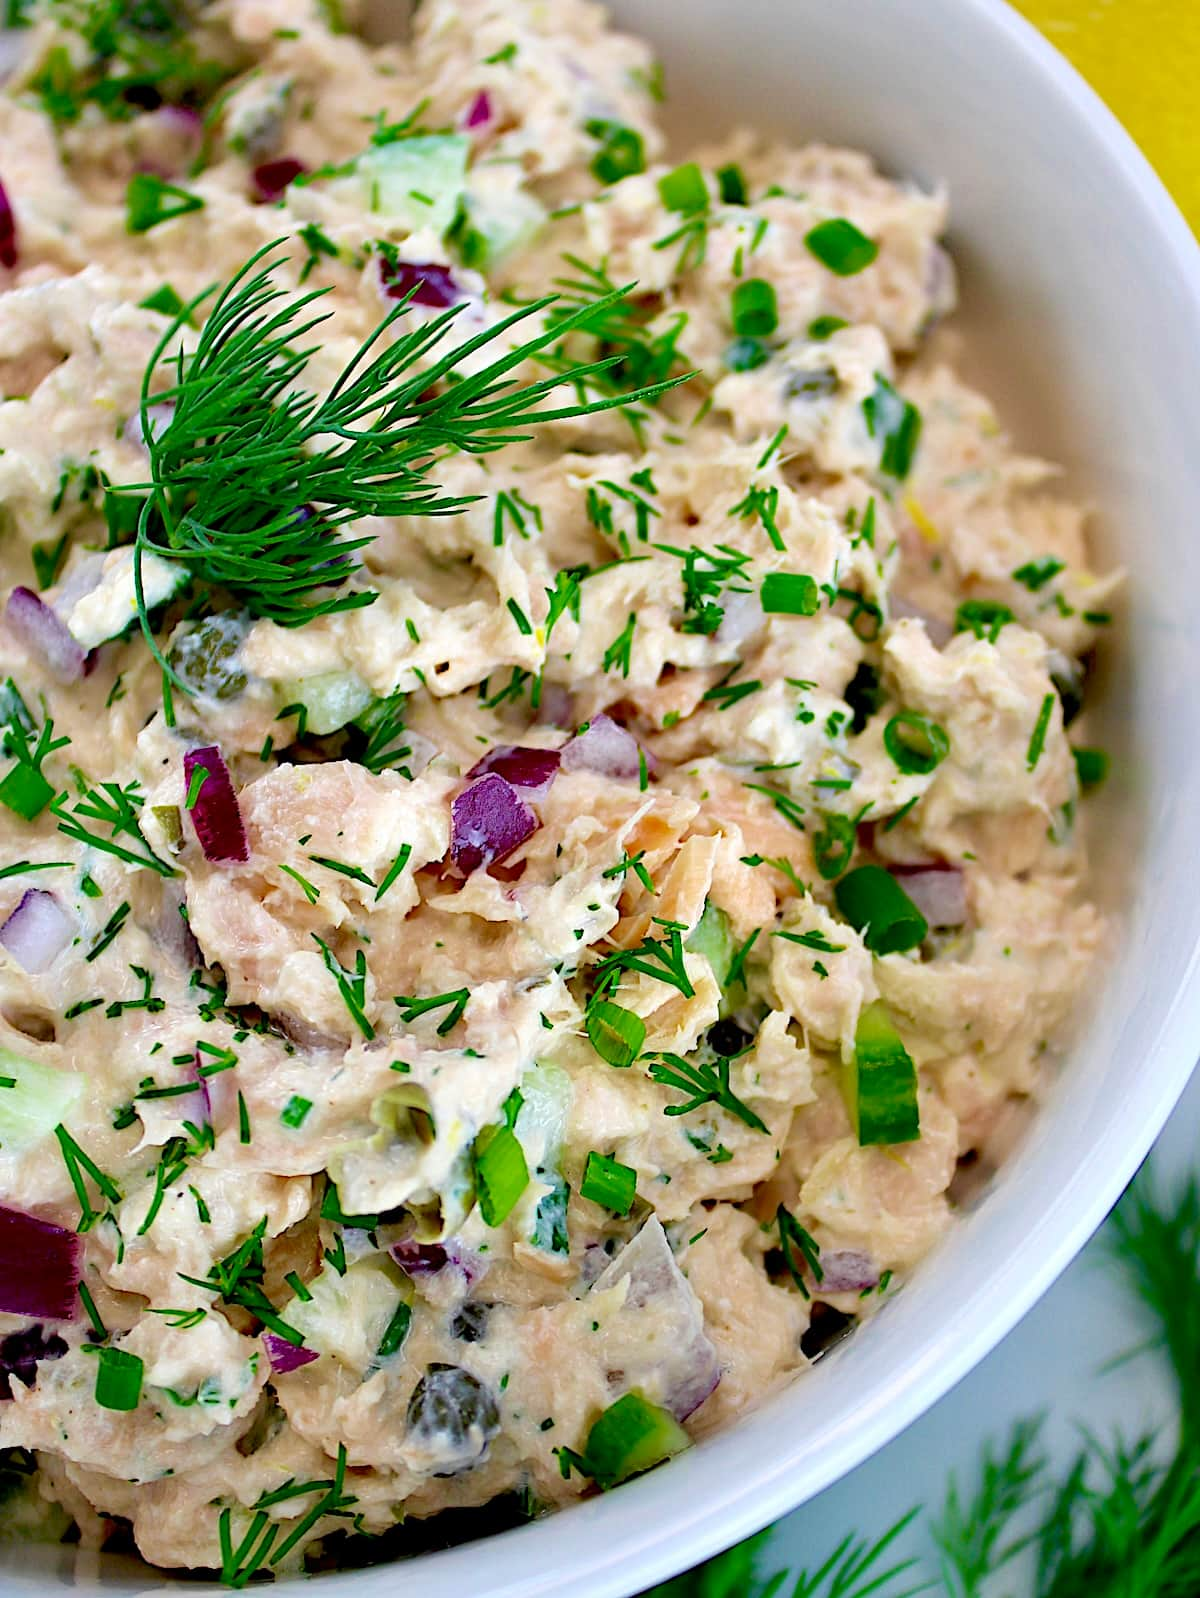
point(484, 1197)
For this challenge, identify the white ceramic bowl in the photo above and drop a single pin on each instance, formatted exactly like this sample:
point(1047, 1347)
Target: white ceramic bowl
point(1082, 305)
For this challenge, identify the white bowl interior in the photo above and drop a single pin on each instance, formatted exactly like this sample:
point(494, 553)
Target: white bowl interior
point(1082, 313)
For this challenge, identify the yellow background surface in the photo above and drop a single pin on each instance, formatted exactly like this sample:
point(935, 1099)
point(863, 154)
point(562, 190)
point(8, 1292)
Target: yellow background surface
point(1143, 57)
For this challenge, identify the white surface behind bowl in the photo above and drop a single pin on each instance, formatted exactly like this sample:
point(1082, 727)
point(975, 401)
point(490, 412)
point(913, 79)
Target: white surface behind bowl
point(1082, 294)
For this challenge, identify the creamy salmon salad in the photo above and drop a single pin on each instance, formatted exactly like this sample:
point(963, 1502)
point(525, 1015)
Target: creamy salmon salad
point(540, 800)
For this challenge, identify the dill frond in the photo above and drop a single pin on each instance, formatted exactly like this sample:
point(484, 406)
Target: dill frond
point(252, 476)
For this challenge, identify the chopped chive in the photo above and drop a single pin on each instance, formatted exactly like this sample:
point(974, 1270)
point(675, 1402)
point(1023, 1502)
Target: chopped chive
point(746, 355)
point(1038, 740)
point(164, 300)
point(524, 625)
point(198, 778)
point(622, 151)
point(311, 893)
point(149, 200)
point(244, 1135)
point(793, 1240)
point(393, 1338)
point(1037, 573)
point(753, 308)
point(99, 1330)
point(896, 423)
point(616, 1034)
point(916, 743)
point(394, 870)
point(789, 594)
point(609, 1183)
point(355, 873)
point(840, 246)
point(823, 327)
point(411, 1008)
point(983, 617)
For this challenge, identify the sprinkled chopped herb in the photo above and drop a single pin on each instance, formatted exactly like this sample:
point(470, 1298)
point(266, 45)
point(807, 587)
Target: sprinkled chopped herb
point(1037, 573)
point(1038, 740)
point(150, 200)
point(840, 246)
point(455, 1003)
point(704, 1083)
point(789, 594)
point(753, 309)
point(916, 743)
point(983, 617)
point(799, 1249)
point(896, 423)
point(622, 151)
point(351, 985)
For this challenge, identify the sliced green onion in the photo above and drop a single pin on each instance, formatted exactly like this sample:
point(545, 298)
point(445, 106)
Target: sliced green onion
point(616, 1034)
point(1037, 741)
point(896, 423)
point(880, 1085)
point(833, 846)
point(25, 791)
point(501, 1174)
point(621, 153)
point(841, 246)
point(397, 1330)
point(746, 355)
point(753, 308)
point(875, 904)
point(609, 1183)
point(731, 181)
point(789, 594)
point(713, 938)
point(34, 1099)
point(119, 1379)
point(295, 1110)
point(1091, 767)
point(684, 189)
point(164, 300)
point(823, 327)
point(916, 743)
point(631, 1436)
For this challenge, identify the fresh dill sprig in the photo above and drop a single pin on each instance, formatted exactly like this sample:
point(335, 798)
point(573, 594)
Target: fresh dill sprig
point(252, 476)
point(661, 958)
point(115, 808)
point(706, 1083)
point(636, 357)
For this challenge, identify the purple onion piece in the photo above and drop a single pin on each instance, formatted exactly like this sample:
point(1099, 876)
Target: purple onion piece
point(270, 179)
point(8, 231)
point(605, 747)
point(431, 1259)
point(488, 821)
point(193, 1071)
point(45, 634)
point(556, 708)
point(685, 1363)
point(938, 891)
point(22, 1352)
point(215, 814)
point(172, 932)
point(846, 1270)
point(37, 931)
point(479, 112)
point(39, 1267)
point(429, 282)
point(531, 769)
point(285, 1356)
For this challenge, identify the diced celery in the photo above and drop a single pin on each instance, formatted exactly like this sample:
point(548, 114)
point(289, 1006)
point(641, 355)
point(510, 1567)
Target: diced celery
point(415, 183)
point(496, 219)
point(631, 1436)
point(330, 700)
point(111, 606)
point(34, 1099)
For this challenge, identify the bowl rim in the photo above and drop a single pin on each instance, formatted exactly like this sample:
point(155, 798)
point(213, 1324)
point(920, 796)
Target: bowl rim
point(646, 1544)
point(649, 1531)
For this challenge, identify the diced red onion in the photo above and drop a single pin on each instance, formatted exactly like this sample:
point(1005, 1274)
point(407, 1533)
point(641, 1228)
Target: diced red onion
point(22, 1352)
point(940, 632)
point(84, 577)
point(479, 112)
point(683, 1360)
point(173, 932)
point(45, 634)
point(215, 814)
point(285, 1356)
point(488, 821)
point(193, 1070)
point(847, 1270)
point(271, 178)
point(39, 1267)
point(531, 769)
point(8, 231)
point(158, 416)
point(431, 1259)
point(603, 746)
point(37, 931)
point(938, 891)
point(433, 283)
